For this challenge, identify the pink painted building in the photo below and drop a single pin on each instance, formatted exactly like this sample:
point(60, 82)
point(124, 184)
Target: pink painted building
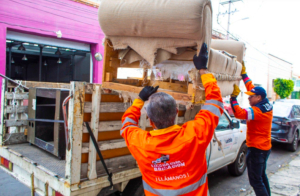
point(50, 40)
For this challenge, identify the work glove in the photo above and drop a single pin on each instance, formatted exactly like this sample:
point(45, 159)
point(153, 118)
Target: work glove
point(243, 68)
point(236, 91)
point(147, 91)
point(200, 61)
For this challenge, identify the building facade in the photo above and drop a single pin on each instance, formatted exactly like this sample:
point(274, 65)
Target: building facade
point(52, 41)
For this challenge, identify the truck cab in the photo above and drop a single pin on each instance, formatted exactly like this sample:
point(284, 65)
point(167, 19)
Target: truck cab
point(232, 134)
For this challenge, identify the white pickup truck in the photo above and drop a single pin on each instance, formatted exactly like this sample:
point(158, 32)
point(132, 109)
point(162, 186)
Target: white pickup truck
point(81, 172)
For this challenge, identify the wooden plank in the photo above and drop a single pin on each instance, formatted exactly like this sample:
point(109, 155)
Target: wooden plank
point(15, 123)
point(133, 82)
point(88, 97)
point(114, 62)
point(105, 116)
point(197, 94)
point(105, 98)
point(105, 145)
point(111, 98)
point(114, 165)
point(110, 130)
point(42, 84)
point(75, 121)
point(108, 77)
point(106, 126)
point(15, 138)
point(107, 154)
point(102, 136)
point(170, 86)
point(96, 97)
point(135, 64)
point(19, 108)
point(107, 107)
point(109, 52)
point(133, 89)
point(11, 95)
point(93, 187)
point(89, 88)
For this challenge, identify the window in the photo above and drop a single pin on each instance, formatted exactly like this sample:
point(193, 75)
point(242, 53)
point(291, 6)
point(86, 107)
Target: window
point(297, 83)
point(296, 111)
point(224, 123)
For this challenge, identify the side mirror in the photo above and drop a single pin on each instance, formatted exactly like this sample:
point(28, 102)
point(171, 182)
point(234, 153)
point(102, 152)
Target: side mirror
point(235, 124)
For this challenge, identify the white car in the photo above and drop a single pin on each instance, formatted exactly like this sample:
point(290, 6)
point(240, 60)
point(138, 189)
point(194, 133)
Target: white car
point(232, 134)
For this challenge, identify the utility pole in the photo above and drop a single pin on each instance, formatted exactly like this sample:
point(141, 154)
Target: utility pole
point(229, 13)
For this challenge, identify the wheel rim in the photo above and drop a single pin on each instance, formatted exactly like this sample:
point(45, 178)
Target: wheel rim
point(241, 160)
point(295, 141)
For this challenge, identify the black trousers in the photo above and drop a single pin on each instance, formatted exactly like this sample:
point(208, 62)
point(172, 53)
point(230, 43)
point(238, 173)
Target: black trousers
point(256, 166)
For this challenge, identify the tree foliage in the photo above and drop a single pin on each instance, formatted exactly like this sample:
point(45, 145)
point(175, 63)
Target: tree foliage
point(283, 87)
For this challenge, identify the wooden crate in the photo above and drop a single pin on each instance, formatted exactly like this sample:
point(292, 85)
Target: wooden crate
point(181, 91)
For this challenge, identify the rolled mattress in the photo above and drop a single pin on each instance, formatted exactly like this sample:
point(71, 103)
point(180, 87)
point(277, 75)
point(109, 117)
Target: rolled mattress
point(235, 48)
point(156, 24)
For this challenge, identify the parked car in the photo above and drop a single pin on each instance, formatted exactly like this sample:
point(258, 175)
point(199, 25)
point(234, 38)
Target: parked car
point(286, 124)
point(227, 107)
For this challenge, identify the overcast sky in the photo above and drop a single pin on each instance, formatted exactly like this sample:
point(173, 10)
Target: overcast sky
point(270, 26)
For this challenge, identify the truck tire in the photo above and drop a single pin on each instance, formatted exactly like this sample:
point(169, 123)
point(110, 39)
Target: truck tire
point(238, 167)
point(294, 145)
point(134, 188)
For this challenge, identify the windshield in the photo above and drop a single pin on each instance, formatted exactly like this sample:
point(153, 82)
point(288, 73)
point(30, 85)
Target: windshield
point(281, 110)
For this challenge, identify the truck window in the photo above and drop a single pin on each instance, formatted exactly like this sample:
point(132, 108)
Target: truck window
point(296, 111)
point(224, 123)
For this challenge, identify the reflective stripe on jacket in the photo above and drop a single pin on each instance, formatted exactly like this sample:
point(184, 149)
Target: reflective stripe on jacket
point(259, 122)
point(172, 160)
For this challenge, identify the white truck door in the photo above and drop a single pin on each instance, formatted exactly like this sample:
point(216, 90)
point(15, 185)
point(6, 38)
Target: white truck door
point(229, 139)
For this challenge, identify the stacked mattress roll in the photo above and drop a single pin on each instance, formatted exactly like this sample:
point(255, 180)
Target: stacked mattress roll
point(154, 28)
point(156, 31)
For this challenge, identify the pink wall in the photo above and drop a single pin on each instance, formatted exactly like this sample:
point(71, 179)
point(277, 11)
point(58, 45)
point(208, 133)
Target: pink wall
point(76, 21)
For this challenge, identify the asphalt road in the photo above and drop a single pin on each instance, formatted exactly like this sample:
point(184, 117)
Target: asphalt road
point(220, 182)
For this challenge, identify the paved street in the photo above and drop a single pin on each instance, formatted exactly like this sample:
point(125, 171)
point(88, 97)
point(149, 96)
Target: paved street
point(9, 186)
point(286, 181)
point(221, 183)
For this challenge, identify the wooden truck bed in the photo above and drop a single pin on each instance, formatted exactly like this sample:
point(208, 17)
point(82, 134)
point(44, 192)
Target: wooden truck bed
point(81, 173)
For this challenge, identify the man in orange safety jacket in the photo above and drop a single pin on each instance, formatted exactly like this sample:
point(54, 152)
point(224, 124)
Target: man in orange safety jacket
point(259, 122)
point(172, 158)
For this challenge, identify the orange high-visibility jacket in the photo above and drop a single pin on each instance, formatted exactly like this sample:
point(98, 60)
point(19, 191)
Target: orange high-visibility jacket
point(172, 160)
point(259, 120)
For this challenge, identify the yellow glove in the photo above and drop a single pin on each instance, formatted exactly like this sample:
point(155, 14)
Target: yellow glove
point(243, 68)
point(236, 91)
